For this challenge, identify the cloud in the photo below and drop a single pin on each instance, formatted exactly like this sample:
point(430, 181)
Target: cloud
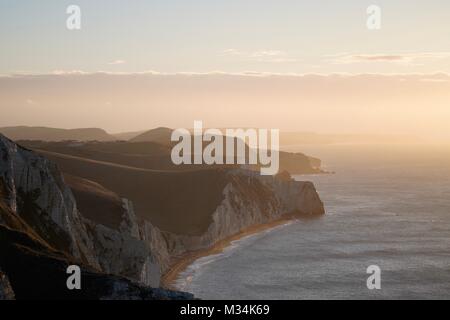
point(30, 102)
point(117, 62)
point(67, 72)
point(260, 56)
point(232, 52)
point(379, 57)
point(402, 58)
point(429, 77)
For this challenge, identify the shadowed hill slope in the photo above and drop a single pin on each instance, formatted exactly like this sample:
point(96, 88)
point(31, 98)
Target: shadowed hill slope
point(151, 155)
point(125, 136)
point(159, 135)
point(96, 203)
point(179, 202)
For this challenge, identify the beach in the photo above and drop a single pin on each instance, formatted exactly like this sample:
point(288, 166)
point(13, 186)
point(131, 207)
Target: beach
point(184, 261)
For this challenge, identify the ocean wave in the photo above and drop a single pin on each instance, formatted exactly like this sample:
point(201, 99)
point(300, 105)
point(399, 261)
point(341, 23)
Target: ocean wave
point(186, 277)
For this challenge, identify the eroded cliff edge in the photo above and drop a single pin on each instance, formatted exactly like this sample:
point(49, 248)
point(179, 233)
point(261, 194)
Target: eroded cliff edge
point(248, 200)
point(42, 233)
point(133, 222)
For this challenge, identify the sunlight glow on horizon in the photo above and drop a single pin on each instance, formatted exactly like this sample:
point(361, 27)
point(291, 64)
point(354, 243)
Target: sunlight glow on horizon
point(296, 65)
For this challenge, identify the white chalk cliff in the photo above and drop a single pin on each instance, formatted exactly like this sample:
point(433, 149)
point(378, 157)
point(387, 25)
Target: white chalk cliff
point(34, 189)
point(249, 200)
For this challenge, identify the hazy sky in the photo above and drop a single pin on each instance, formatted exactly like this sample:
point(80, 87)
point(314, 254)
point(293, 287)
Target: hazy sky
point(292, 64)
point(294, 36)
point(412, 104)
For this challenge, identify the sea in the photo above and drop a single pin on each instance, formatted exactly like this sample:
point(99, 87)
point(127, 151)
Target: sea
point(386, 206)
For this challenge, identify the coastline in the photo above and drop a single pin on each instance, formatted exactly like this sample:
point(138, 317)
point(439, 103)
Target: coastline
point(182, 262)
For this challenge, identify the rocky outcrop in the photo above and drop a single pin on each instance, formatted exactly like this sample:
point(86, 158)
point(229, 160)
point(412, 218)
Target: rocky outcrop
point(33, 188)
point(123, 252)
point(6, 292)
point(37, 271)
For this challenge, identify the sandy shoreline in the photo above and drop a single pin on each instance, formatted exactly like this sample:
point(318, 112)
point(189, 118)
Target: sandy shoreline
point(181, 263)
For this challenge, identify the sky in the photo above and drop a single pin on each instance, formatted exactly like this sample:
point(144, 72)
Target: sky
point(290, 64)
point(288, 36)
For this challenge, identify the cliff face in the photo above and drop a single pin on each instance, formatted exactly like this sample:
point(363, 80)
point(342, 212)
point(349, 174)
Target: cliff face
point(248, 200)
point(123, 252)
point(35, 200)
point(33, 189)
point(37, 271)
point(42, 233)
